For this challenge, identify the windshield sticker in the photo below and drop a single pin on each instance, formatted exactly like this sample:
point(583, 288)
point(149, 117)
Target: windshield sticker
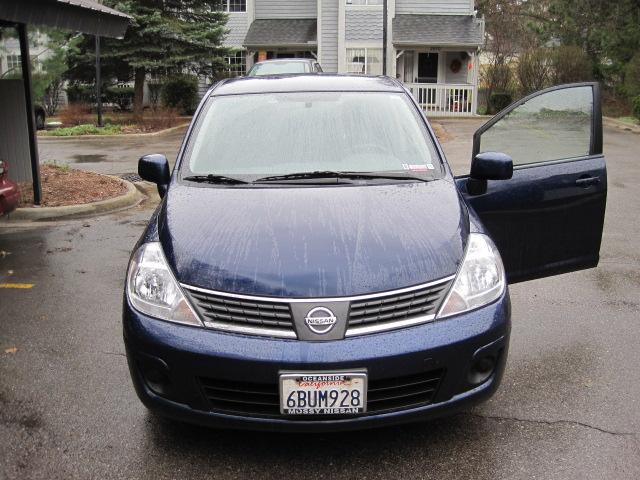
point(418, 168)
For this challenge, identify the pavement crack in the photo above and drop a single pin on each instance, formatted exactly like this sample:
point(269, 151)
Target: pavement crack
point(551, 422)
point(114, 353)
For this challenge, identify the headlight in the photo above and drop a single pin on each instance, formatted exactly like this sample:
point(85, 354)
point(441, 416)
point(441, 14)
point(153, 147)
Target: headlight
point(153, 290)
point(480, 281)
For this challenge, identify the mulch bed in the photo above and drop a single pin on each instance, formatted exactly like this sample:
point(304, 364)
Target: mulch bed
point(441, 132)
point(67, 186)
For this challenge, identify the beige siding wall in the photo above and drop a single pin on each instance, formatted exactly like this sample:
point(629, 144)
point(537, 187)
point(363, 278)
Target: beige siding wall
point(329, 35)
point(238, 24)
point(363, 24)
point(286, 9)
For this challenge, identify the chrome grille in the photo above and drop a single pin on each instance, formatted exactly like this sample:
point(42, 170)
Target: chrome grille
point(273, 317)
point(403, 309)
point(236, 314)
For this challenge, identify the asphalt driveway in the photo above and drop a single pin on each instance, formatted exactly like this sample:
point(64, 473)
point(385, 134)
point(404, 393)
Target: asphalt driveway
point(568, 406)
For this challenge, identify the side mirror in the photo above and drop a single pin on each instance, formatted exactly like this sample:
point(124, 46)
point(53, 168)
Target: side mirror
point(488, 166)
point(155, 168)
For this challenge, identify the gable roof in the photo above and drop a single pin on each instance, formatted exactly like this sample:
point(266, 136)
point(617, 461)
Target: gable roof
point(87, 16)
point(438, 30)
point(289, 32)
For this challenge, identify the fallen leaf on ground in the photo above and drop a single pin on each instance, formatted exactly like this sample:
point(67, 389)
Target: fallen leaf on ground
point(11, 350)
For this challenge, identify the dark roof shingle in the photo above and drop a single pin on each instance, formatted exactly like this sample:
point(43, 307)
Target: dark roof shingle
point(87, 16)
point(438, 30)
point(282, 32)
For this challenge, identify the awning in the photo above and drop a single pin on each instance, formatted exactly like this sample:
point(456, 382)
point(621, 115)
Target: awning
point(438, 30)
point(86, 16)
point(289, 32)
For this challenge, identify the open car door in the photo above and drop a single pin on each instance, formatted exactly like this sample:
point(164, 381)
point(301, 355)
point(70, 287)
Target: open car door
point(548, 217)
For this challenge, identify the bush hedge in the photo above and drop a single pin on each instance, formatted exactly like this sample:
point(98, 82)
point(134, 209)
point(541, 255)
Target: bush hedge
point(636, 107)
point(499, 101)
point(181, 92)
point(121, 96)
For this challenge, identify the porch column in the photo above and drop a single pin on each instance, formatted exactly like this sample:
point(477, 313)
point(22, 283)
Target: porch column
point(476, 78)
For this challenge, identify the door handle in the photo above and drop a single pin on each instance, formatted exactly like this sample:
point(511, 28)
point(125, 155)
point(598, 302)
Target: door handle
point(587, 182)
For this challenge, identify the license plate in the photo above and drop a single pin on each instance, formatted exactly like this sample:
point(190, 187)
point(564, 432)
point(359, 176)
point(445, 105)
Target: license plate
point(323, 393)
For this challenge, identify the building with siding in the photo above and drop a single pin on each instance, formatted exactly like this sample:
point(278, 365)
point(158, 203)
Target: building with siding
point(432, 45)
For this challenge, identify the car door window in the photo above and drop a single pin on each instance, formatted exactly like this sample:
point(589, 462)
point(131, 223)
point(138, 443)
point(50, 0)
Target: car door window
point(556, 125)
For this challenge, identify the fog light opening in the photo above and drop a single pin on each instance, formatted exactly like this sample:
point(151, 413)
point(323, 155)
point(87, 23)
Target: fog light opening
point(481, 369)
point(155, 376)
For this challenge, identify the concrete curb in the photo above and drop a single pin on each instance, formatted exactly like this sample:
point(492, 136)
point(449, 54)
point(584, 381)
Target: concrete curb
point(612, 122)
point(149, 190)
point(122, 135)
point(130, 199)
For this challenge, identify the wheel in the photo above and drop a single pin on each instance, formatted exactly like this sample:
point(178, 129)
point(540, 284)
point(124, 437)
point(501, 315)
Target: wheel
point(39, 121)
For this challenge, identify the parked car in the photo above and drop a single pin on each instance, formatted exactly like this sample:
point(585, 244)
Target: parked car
point(285, 66)
point(315, 265)
point(40, 115)
point(9, 191)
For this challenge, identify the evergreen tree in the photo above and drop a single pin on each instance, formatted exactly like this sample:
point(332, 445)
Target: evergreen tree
point(165, 37)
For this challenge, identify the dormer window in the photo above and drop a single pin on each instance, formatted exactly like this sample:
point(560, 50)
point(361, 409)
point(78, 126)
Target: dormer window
point(232, 6)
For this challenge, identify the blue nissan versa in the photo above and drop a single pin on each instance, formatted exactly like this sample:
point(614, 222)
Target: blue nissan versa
point(314, 264)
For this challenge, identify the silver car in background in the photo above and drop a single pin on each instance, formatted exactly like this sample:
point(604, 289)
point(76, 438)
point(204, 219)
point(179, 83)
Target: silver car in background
point(285, 66)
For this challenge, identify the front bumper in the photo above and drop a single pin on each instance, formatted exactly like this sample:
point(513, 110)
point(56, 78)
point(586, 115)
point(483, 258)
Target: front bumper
point(186, 354)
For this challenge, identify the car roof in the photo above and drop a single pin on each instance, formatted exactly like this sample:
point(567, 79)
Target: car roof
point(306, 83)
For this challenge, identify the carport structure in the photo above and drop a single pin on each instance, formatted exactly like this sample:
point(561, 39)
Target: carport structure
point(18, 143)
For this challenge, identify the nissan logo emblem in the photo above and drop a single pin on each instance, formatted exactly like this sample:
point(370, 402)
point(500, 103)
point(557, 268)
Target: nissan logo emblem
point(320, 320)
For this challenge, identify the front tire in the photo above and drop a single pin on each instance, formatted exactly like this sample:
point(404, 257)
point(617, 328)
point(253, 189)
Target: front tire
point(39, 121)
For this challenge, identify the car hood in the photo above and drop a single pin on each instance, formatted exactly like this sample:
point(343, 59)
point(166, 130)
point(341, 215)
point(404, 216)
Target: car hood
point(313, 242)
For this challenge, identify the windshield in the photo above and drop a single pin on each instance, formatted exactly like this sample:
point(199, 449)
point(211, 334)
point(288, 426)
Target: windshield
point(256, 135)
point(278, 68)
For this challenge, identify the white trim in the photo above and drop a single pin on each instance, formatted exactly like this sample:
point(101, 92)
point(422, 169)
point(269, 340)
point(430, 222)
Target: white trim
point(363, 7)
point(391, 58)
point(342, 30)
point(251, 11)
point(319, 31)
point(362, 44)
point(383, 327)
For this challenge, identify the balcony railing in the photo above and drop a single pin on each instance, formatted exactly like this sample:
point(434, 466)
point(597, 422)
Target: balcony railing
point(439, 99)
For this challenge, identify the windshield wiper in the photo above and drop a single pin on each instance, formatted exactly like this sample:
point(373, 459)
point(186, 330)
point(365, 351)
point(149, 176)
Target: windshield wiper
point(337, 174)
point(211, 178)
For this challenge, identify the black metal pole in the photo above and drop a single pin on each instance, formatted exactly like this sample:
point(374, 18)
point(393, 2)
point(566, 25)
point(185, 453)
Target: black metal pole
point(31, 121)
point(384, 37)
point(98, 85)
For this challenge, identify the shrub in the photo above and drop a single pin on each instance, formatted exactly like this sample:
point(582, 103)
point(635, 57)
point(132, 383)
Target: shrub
point(121, 96)
point(80, 93)
point(155, 88)
point(498, 78)
point(181, 93)
point(76, 114)
point(159, 119)
point(499, 101)
point(631, 85)
point(570, 65)
point(534, 70)
point(636, 107)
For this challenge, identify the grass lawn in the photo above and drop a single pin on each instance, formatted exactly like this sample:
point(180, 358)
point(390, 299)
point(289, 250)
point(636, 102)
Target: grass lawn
point(86, 129)
point(629, 120)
